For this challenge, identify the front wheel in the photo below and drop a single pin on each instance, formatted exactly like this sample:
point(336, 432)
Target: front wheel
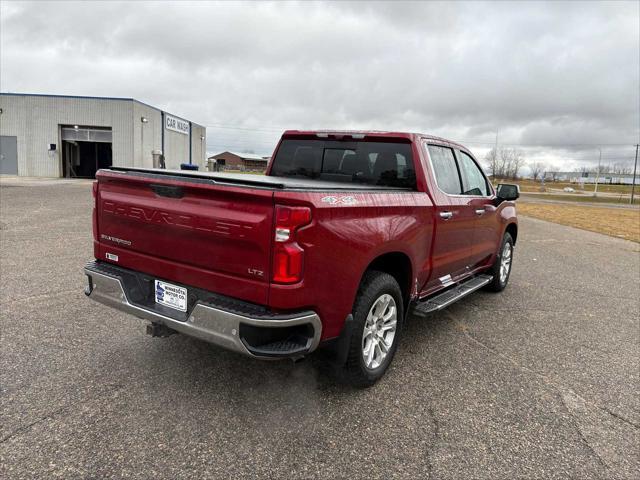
point(501, 268)
point(377, 315)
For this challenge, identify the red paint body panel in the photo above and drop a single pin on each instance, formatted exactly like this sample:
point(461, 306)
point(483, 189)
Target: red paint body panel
point(220, 237)
point(209, 238)
point(343, 240)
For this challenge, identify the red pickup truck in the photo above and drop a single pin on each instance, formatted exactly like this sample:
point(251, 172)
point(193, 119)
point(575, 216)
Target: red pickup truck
point(345, 235)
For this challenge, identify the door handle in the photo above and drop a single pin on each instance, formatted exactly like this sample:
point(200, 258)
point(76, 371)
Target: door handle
point(171, 191)
point(480, 211)
point(446, 215)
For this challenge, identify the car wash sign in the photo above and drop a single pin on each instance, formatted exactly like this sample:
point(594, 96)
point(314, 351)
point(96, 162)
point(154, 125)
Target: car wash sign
point(176, 124)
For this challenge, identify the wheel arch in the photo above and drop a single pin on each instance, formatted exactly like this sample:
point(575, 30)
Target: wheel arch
point(512, 229)
point(398, 265)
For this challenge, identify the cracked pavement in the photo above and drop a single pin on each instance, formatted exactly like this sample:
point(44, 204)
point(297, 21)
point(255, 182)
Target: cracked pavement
point(540, 381)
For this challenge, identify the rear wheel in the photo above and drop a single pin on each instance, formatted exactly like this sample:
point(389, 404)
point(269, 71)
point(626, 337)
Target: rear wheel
point(377, 316)
point(501, 269)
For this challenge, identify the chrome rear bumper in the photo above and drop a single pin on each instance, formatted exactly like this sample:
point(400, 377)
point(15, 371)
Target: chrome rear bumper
point(207, 322)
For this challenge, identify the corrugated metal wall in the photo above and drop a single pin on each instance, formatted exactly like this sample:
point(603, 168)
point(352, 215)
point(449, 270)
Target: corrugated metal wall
point(36, 121)
point(198, 144)
point(176, 148)
point(146, 136)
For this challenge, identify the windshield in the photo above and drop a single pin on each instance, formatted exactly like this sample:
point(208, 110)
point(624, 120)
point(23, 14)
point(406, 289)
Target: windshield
point(373, 163)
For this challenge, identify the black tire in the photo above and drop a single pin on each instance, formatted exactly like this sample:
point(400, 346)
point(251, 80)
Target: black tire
point(498, 284)
point(373, 287)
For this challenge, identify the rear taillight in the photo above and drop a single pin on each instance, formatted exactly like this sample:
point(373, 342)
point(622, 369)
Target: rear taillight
point(94, 214)
point(288, 256)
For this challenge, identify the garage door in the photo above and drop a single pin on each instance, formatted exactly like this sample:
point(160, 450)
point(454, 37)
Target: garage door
point(8, 155)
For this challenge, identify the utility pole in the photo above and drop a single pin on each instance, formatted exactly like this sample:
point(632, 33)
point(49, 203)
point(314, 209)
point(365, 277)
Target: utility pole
point(633, 182)
point(495, 157)
point(595, 191)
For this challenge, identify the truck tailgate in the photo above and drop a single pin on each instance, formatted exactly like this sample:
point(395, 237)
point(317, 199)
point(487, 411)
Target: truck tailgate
point(190, 231)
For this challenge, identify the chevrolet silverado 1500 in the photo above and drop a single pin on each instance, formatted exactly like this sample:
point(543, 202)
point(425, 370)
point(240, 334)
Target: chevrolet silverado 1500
point(344, 235)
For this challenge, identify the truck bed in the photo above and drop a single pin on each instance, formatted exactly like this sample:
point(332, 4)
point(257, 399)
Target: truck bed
point(257, 181)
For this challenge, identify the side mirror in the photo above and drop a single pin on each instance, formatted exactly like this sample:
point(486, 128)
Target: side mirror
point(508, 191)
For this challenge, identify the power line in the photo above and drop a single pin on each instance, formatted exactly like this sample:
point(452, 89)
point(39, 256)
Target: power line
point(231, 127)
point(241, 145)
point(276, 129)
point(239, 141)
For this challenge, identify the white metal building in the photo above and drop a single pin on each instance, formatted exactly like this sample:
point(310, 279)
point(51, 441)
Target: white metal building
point(590, 177)
point(70, 136)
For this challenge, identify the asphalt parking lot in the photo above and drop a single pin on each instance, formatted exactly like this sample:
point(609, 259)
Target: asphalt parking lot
point(541, 381)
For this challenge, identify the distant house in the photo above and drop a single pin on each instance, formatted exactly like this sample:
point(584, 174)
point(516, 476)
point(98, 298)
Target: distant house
point(241, 161)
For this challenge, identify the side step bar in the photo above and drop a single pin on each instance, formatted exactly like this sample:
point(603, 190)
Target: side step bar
point(442, 300)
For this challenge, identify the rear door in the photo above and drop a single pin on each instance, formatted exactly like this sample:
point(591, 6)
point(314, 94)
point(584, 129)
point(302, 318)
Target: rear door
point(455, 217)
point(191, 231)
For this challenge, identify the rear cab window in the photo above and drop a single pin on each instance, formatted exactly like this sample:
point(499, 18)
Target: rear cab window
point(445, 169)
point(368, 162)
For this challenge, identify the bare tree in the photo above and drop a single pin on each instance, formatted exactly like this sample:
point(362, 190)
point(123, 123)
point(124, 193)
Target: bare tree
point(518, 162)
point(502, 163)
point(491, 159)
point(505, 163)
point(621, 168)
point(510, 162)
point(537, 169)
point(552, 171)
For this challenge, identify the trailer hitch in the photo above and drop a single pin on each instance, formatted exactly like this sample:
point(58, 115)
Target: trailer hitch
point(159, 330)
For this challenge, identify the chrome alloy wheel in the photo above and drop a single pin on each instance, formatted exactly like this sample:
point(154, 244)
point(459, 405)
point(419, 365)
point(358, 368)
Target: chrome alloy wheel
point(505, 262)
point(379, 331)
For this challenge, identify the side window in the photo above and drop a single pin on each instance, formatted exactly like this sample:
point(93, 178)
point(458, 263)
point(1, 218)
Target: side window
point(473, 181)
point(445, 169)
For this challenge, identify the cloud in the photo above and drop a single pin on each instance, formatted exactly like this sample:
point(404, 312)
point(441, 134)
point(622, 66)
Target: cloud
point(554, 74)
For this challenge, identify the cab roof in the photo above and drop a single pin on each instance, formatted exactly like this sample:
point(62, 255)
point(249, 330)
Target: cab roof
point(368, 134)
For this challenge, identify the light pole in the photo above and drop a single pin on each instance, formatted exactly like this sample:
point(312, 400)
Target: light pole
point(595, 191)
point(633, 180)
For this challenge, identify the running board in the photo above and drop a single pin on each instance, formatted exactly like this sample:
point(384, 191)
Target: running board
point(442, 300)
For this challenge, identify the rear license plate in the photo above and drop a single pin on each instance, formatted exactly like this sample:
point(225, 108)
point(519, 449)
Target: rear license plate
point(171, 296)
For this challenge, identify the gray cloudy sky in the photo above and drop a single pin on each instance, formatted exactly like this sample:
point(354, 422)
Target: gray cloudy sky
point(556, 79)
